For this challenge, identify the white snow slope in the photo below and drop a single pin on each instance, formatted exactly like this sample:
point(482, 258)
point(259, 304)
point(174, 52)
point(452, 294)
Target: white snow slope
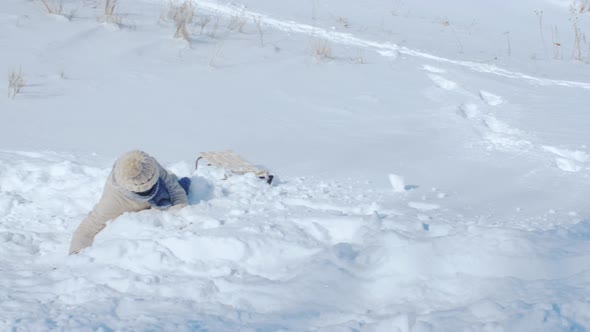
point(433, 166)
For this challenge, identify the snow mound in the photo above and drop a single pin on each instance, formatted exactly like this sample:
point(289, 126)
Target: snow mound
point(299, 255)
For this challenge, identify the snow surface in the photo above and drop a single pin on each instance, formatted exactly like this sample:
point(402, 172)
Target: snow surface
point(433, 172)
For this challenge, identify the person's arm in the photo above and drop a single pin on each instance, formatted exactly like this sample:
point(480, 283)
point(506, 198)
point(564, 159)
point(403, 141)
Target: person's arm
point(108, 208)
point(177, 194)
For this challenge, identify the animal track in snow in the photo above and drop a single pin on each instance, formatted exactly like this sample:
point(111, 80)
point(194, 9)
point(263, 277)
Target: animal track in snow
point(496, 133)
point(500, 135)
point(567, 165)
point(393, 50)
point(503, 136)
point(499, 127)
point(580, 156)
point(490, 98)
point(434, 70)
point(391, 54)
point(568, 160)
point(442, 82)
point(469, 111)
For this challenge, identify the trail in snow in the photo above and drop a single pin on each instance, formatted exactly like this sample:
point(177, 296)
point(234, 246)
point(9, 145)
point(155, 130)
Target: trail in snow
point(383, 48)
point(479, 109)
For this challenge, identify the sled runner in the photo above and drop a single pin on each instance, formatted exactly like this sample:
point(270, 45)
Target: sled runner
point(233, 164)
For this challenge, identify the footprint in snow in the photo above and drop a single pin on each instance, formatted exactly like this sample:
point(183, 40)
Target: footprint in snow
point(567, 165)
point(497, 133)
point(490, 98)
point(469, 111)
point(568, 160)
point(442, 82)
point(499, 127)
point(390, 54)
point(576, 155)
point(434, 70)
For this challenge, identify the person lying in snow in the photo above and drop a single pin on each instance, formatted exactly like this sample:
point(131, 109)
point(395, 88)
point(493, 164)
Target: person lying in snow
point(137, 182)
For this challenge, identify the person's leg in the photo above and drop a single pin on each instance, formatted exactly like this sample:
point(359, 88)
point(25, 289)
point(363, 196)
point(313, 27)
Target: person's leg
point(185, 183)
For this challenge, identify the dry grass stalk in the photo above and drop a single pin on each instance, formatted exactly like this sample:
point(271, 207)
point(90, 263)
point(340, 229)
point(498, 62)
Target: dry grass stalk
point(343, 22)
point(321, 49)
point(581, 44)
point(216, 54)
point(578, 37)
point(445, 23)
point(258, 21)
point(508, 43)
point(53, 7)
point(213, 30)
point(358, 60)
point(203, 21)
point(16, 82)
point(182, 15)
point(581, 7)
point(182, 32)
point(539, 14)
point(184, 12)
point(237, 22)
point(111, 12)
point(110, 7)
point(556, 44)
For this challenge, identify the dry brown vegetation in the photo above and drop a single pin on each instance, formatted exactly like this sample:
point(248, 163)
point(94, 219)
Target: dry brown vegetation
point(581, 44)
point(182, 15)
point(321, 49)
point(111, 12)
point(258, 22)
point(16, 82)
point(581, 6)
point(53, 7)
point(237, 23)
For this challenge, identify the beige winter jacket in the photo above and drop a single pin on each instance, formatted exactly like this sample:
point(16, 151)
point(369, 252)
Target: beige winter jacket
point(114, 202)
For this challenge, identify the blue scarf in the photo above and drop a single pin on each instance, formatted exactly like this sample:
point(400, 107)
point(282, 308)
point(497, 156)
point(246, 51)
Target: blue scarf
point(159, 198)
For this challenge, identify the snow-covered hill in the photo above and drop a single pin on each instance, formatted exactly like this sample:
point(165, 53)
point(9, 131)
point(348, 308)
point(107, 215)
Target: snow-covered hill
point(432, 159)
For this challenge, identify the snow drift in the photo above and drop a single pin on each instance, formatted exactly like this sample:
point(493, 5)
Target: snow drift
point(300, 255)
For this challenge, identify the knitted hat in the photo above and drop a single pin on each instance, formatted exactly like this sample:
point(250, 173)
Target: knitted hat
point(136, 171)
